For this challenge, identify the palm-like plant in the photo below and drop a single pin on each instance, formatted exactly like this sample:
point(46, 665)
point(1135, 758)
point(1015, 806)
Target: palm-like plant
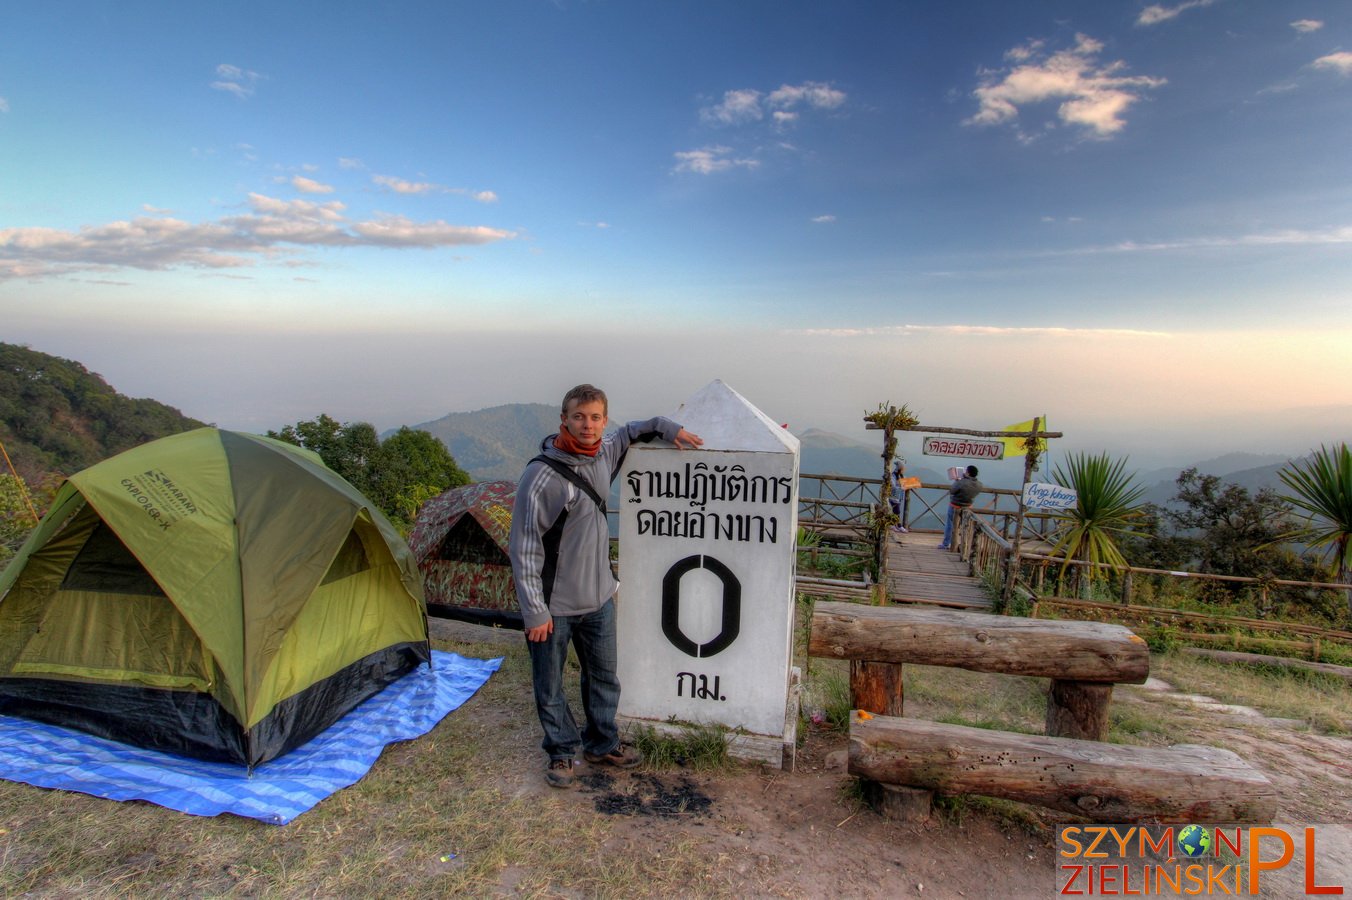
point(1108, 505)
point(1323, 488)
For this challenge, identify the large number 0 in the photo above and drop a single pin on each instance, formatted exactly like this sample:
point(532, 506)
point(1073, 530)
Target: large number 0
point(671, 606)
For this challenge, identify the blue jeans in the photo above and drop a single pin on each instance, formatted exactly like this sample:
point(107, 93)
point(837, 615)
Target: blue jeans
point(593, 636)
point(948, 527)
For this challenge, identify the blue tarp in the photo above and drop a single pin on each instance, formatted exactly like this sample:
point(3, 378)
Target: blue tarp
point(277, 791)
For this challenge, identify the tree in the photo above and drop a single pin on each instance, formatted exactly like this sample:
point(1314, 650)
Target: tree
point(1106, 508)
point(398, 475)
point(1230, 532)
point(19, 509)
point(1323, 488)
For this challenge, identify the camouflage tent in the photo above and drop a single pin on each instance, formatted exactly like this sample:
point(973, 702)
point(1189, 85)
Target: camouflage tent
point(460, 544)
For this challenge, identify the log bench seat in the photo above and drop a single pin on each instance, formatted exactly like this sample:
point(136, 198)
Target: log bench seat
point(1101, 782)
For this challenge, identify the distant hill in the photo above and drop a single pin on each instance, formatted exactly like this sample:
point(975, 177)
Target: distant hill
point(496, 443)
point(1252, 479)
point(828, 453)
point(57, 416)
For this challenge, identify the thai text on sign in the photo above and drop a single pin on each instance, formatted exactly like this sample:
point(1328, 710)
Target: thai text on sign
point(940, 446)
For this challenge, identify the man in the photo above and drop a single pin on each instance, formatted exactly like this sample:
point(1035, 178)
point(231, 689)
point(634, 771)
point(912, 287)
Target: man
point(960, 496)
point(898, 492)
point(560, 551)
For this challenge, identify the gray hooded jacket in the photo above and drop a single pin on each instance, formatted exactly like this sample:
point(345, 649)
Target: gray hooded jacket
point(560, 541)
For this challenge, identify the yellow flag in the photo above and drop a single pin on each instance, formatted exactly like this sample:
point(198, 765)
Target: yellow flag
point(1014, 446)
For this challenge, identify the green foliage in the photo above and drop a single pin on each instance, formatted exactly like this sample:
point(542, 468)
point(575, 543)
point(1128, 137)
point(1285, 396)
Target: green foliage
point(698, 747)
point(15, 519)
point(57, 416)
point(1107, 507)
point(1228, 531)
point(826, 699)
point(398, 474)
point(18, 506)
point(1323, 489)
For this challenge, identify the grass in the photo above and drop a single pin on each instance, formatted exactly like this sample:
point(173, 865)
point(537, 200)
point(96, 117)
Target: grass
point(462, 811)
point(458, 811)
point(1321, 701)
point(699, 748)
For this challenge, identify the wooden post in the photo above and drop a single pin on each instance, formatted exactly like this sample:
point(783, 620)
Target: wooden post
point(1078, 709)
point(1012, 570)
point(876, 687)
point(1126, 588)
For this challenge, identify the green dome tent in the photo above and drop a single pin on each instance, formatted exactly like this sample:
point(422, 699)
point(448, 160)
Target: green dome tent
point(212, 594)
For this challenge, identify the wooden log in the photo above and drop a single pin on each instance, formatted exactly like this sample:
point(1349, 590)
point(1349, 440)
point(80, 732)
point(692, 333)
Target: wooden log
point(1072, 651)
point(1258, 659)
point(876, 687)
point(898, 802)
point(1102, 782)
point(1078, 709)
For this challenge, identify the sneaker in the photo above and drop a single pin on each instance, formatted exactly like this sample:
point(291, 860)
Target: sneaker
point(899, 529)
point(624, 756)
point(560, 773)
point(943, 546)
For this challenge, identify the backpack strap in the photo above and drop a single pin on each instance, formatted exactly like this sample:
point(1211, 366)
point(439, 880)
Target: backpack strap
point(567, 472)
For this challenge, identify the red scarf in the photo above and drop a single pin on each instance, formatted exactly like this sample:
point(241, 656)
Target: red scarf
point(565, 441)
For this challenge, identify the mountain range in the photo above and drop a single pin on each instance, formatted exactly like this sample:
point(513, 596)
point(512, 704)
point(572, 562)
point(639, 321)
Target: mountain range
point(497, 442)
point(55, 415)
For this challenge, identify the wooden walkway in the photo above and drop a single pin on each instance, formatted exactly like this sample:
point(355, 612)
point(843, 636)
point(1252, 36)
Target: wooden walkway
point(919, 572)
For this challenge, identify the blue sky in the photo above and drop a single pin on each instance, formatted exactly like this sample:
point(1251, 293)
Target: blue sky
point(1134, 218)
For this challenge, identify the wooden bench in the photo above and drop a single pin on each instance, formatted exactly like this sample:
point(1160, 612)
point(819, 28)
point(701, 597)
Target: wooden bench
point(903, 761)
point(1083, 659)
point(1101, 782)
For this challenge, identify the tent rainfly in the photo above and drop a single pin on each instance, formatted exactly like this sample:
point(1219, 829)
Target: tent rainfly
point(460, 544)
point(212, 594)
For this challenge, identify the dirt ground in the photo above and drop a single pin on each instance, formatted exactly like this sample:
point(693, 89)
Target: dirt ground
point(800, 832)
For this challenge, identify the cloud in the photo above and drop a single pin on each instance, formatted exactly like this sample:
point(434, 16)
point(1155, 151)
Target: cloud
point(783, 104)
point(156, 210)
point(271, 231)
point(234, 80)
point(403, 186)
point(310, 186)
point(708, 160)
point(977, 331)
point(1093, 96)
point(784, 107)
point(810, 93)
point(4, 105)
point(400, 186)
point(399, 231)
point(1153, 15)
point(737, 107)
point(1340, 62)
point(823, 220)
point(1305, 26)
point(348, 162)
point(1285, 238)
